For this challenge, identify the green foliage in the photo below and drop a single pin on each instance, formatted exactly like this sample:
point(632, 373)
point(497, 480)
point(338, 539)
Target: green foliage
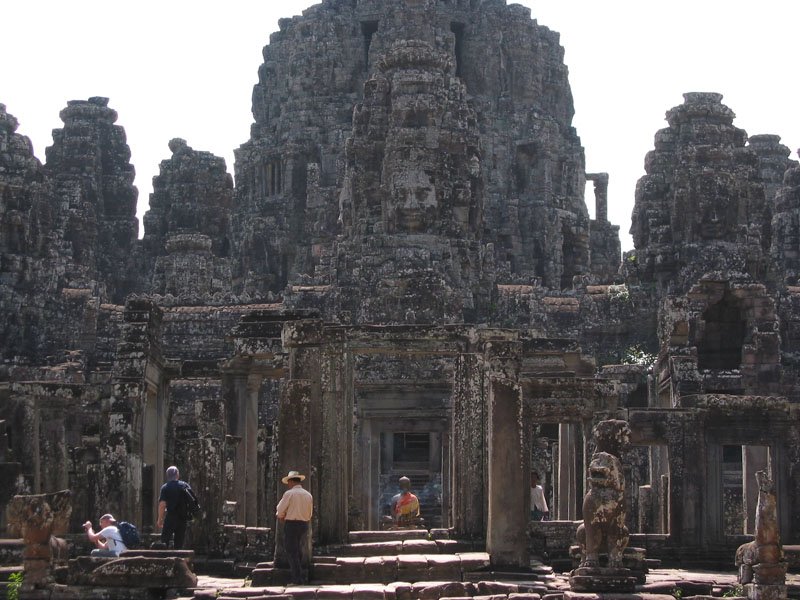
point(13, 586)
point(735, 591)
point(677, 593)
point(636, 355)
point(621, 293)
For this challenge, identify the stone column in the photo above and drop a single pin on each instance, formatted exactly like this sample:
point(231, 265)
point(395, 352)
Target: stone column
point(754, 459)
point(468, 434)
point(645, 509)
point(687, 480)
point(600, 181)
point(294, 447)
point(249, 430)
point(567, 475)
point(335, 460)
point(137, 361)
point(506, 536)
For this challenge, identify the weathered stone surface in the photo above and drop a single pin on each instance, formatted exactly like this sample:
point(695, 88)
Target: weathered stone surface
point(135, 571)
point(89, 165)
point(761, 562)
point(702, 204)
point(602, 579)
point(603, 529)
point(186, 245)
point(37, 519)
point(408, 226)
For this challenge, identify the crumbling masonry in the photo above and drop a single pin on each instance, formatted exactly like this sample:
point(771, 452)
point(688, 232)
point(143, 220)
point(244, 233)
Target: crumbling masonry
point(404, 280)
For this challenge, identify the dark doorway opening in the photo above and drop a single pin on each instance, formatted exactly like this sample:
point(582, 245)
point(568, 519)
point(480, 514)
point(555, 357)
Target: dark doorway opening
point(720, 346)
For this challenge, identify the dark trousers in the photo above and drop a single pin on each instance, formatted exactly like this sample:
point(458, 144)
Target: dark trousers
point(294, 540)
point(176, 526)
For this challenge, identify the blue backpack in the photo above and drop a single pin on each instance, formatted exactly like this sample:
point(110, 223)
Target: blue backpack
point(129, 534)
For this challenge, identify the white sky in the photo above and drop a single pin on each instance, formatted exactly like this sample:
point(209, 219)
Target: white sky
point(186, 68)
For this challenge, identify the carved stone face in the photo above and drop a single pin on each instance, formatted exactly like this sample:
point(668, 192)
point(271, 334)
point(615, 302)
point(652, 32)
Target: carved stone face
point(414, 195)
point(716, 207)
point(605, 472)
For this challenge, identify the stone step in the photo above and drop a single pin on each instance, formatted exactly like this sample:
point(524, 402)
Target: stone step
point(218, 567)
point(355, 537)
point(244, 569)
point(381, 569)
point(421, 590)
point(6, 571)
point(527, 577)
point(400, 546)
point(652, 563)
point(11, 551)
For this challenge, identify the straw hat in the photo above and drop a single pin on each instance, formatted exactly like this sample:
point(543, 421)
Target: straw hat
point(293, 475)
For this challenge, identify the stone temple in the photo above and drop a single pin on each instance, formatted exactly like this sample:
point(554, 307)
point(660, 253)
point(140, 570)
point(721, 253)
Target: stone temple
point(402, 277)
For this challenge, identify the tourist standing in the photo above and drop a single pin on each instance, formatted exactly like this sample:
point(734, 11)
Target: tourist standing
point(539, 510)
point(294, 511)
point(173, 513)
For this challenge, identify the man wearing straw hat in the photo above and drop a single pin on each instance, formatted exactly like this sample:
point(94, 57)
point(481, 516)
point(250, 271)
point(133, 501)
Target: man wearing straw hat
point(294, 511)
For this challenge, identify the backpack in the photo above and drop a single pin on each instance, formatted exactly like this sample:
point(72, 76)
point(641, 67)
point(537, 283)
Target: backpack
point(129, 534)
point(188, 507)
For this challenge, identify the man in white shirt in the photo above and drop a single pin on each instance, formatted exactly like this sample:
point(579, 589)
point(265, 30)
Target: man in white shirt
point(108, 540)
point(294, 511)
point(539, 510)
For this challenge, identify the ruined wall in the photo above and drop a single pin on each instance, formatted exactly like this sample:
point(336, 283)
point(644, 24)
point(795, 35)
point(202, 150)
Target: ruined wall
point(505, 168)
point(702, 204)
point(25, 227)
point(186, 246)
point(69, 232)
point(785, 225)
point(89, 165)
point(412, 170)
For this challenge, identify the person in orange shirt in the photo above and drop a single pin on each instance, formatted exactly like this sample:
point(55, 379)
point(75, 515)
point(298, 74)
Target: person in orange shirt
point(405, 505)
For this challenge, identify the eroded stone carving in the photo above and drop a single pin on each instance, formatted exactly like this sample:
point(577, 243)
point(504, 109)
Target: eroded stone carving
point(762, 566)
point(38, 519)
point(603, 528)
point(603, 531)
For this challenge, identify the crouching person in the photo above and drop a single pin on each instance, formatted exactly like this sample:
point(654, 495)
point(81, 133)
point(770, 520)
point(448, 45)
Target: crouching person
point(108, 540)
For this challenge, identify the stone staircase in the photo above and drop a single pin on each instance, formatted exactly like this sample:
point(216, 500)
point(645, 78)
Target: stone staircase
point(10, 561)
point(385, 557)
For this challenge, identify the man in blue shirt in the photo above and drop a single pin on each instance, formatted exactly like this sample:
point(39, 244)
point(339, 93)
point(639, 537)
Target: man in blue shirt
point(171, 519)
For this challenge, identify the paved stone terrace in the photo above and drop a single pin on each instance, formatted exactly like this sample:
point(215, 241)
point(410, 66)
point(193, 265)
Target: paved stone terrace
point(662, 584)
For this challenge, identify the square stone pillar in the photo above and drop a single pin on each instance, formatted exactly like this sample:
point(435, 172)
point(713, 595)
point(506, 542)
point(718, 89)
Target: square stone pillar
point(137, 362)
point(506, 536)
point(336, 452)
point(294, 449)
point(468, 434)
point(567, 488)
point(754, 458)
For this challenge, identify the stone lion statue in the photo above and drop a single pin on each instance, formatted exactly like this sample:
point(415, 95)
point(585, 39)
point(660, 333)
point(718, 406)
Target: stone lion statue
point(762, 560)
point(603, 528)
